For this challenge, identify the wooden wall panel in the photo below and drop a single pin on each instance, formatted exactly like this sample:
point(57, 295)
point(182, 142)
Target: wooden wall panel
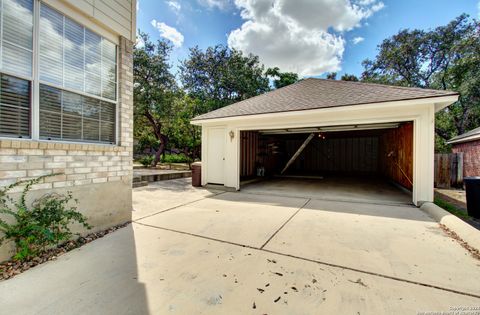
point(248, 153)
point(396, 154)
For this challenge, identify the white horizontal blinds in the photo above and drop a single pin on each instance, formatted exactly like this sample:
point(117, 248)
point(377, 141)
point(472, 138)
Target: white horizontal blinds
point(69, 116)
point(16, 44)
point(14, 107)
point(16, 37)
point(73, 57)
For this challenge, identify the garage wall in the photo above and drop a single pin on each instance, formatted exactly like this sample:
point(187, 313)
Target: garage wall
point(396, 154)
point(248, 153)
point(347, 155)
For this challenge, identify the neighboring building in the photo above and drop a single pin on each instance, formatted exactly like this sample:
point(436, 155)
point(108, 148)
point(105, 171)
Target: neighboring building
point(66, 101)
point(469, 144)
point(360, 130)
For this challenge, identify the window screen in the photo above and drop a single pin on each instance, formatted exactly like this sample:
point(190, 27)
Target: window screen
point(14, 107)
point(73, 57)
point(70, 116)
point(16, 44)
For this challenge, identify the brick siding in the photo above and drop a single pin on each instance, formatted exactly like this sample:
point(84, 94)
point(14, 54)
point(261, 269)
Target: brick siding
point(471, 157)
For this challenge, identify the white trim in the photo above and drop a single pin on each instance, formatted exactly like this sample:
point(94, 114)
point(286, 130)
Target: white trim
point(78, 92)
point(466, 139)
point(296, 113)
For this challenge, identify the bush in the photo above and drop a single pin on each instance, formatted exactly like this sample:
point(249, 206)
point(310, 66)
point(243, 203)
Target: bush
point(175, 158)
point(43, 224)
point(146, 160)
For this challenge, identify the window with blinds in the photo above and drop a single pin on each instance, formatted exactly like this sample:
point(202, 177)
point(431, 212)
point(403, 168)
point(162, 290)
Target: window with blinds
point(73, 57)
point(69, 116)
point(16, 46)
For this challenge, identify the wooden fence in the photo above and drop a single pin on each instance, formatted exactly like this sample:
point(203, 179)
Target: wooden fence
point(449, 170)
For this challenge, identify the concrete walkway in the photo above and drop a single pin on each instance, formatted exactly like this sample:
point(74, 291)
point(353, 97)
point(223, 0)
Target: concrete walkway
point(193, 251)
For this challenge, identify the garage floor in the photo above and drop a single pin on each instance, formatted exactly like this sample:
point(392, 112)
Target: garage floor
point(352, 189)
point(213, 252)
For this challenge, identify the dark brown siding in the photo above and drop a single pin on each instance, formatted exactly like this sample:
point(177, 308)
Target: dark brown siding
point(248, 152)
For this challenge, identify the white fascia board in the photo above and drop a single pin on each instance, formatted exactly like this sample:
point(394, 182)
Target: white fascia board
point(442, 101)
point(466, 139)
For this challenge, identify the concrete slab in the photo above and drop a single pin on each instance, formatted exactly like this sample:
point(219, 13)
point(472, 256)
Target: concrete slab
point(334, 188)
point(144, 270)
point(159, 196)
point(398, 241)
point(239, 218)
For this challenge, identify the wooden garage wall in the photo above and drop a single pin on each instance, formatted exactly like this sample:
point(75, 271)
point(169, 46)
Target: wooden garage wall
point(396, 154)
point(351, 154)
point(248, 152)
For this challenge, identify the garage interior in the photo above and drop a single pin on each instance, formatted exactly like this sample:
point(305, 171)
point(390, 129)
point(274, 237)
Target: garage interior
point(354, 162)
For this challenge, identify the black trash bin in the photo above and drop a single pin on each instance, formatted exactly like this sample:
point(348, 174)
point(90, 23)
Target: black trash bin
point(472, 187)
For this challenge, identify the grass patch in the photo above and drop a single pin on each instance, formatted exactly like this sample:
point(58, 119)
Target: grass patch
point(451, 208)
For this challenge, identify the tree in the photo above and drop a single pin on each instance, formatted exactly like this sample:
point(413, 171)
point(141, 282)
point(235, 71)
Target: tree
point(445, 58)
point(155, 89)
point(331, 76)
point(220, 76)
point(349, 77)
point(281, 79)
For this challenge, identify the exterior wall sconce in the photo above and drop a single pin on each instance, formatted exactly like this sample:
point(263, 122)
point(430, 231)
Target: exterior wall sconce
point(231, 134)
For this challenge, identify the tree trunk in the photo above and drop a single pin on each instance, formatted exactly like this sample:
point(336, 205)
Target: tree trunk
point(158, 155)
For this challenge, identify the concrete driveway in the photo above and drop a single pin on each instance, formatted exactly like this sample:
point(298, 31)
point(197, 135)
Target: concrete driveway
point(193, 251)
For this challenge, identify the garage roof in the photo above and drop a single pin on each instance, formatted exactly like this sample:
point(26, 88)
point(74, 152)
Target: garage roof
point(320, 93)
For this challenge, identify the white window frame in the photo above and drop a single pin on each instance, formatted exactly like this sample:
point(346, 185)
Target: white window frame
point(35, 87)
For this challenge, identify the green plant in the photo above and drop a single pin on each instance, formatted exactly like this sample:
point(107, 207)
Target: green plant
point(175, 158)
point(451, 208)
point(43, 224)
point(147, 160)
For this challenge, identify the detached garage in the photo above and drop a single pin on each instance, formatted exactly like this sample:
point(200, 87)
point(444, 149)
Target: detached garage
point(326, 136)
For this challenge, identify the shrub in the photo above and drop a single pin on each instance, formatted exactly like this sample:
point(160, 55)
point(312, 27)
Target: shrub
point(146, 160)
point(175, 158)
point(43, 224)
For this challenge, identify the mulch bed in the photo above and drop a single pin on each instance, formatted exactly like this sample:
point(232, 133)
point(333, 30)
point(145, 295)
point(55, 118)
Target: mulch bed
point(11, 268)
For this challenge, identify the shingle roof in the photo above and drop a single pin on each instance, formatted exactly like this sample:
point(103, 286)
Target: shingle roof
point(467, 136)
point(320, 93)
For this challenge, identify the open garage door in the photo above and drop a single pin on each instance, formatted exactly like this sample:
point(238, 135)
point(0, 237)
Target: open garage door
point(366, 160)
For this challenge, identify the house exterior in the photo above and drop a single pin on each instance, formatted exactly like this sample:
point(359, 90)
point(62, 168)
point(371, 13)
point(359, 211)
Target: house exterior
point(394, 126)
point(468, 144)
point(66, 102)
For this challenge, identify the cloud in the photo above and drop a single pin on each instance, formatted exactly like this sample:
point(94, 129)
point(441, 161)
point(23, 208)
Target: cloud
point(305, 36)
point(212, 4)
point(358, 40)
point(169, 33)
point(174, 6)
point(138, 5)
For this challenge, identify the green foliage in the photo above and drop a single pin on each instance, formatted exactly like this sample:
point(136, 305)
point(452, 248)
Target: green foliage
point(147, 160)
point(176, 158)
point(220, 76)
point(446, 58)
point(451, 208)
point(281, 79)
point(349, 77)
point(331, 76)
point(45, 223)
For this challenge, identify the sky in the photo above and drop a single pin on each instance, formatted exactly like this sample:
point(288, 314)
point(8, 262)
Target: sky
point(309, 37)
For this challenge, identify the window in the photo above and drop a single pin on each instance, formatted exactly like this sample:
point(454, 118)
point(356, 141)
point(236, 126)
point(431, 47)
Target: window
point(73, 57)
point(16, 46)
point(69, 116)
point(73, 86)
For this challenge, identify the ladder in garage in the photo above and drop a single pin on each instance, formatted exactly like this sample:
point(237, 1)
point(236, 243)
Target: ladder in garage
point(299, 151)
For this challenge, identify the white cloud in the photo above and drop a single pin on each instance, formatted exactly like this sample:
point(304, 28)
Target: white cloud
point(169, 33)
point(297, 35)
point(138, 5)
point(358, 40)
point(212, 4)
point(174, 6)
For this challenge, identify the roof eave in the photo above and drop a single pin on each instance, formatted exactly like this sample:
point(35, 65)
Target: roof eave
point(465, 139)
point(440, 102)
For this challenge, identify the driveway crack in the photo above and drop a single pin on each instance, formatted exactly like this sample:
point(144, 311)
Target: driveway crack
point(285, 223)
